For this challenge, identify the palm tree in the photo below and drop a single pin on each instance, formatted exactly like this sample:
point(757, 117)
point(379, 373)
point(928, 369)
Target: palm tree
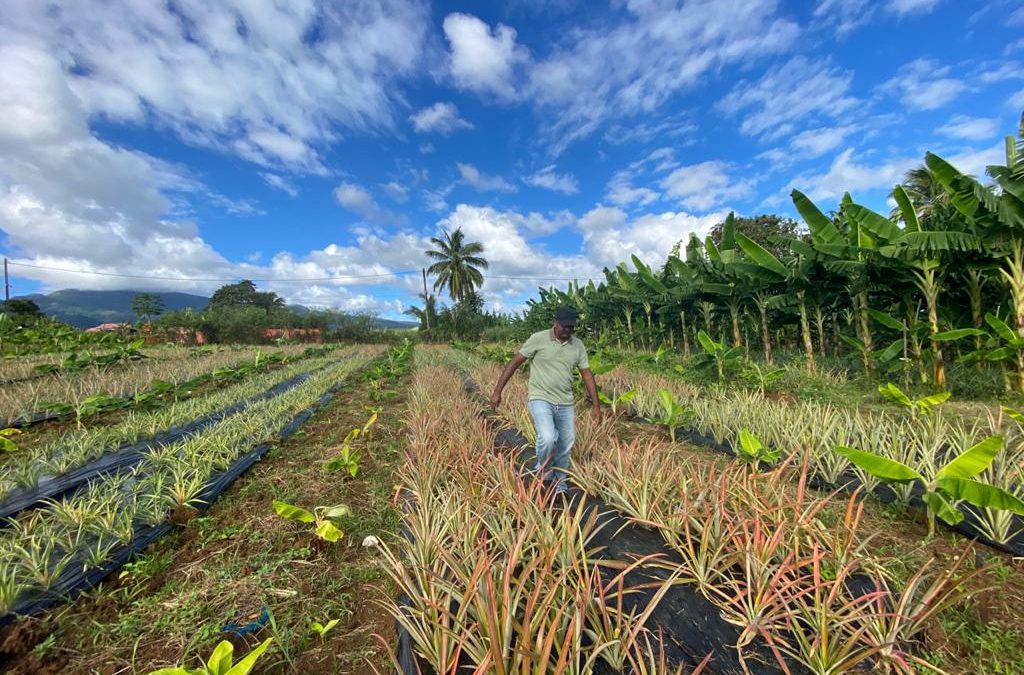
point(428, 314)
point(458, 264)
point(925, 192)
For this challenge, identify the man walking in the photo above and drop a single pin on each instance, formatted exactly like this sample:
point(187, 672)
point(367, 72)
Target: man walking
point(555, 353)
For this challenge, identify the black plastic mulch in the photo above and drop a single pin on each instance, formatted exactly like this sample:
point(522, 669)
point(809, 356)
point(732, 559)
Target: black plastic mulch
point(969, 526)
point(126, 456)
point(76, 579)
point(685, 624)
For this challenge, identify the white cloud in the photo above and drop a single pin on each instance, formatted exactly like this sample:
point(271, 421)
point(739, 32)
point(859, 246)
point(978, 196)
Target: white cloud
point(358, 200)
point(442, 118)
point(611, 237)
point(69, 201)
point(472, 176)
point(971, 128)
point(242, 77)
point(678, 126)
point(1017, 100)
point(816, 142)
point(923, 84)
point(426, 148)
point(845, 16)
point(623, 193)
point(396, 191)
point(599, 74)
point(902, 7)
point(800, 89)
point(279, 183)
point(846, 174)
point(1008, 70)
point(510, 253)
point(704, 186)
point(482, 60)
point(548, 179)
point(1016, 45)
point(974, 162)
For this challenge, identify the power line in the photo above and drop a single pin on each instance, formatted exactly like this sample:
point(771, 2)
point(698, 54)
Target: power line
point(275, 279)
point(159, 278)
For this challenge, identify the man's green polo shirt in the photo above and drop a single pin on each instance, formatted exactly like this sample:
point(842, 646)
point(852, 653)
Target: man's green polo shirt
point(551, 368)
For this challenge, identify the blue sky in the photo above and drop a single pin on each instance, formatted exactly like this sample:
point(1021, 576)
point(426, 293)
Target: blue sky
point(315, 142)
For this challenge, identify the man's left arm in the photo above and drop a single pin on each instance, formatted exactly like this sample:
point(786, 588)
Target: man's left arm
point(583, 363)
point(588, 380)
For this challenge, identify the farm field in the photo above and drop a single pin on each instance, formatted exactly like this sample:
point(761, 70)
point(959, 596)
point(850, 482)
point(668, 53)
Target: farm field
point(668, 556)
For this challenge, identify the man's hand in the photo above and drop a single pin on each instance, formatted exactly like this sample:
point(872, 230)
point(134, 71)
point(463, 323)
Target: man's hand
point(597, 412)
point(495, 400)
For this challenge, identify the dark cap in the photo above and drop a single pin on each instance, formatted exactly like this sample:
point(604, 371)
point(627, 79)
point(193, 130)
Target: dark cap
point(565, 316)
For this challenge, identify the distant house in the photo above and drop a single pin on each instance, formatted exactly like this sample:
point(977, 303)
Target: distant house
point(111, 327)
point(180, 335)
point(297, 334)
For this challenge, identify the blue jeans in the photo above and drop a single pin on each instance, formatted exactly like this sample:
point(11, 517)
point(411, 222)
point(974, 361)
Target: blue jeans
point(556, 432)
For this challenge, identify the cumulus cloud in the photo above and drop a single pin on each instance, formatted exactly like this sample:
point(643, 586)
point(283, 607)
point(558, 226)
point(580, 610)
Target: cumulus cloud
point(704, 186)
point(611, 236)
point(442, 118)
point(483, 60)
point(472, 176)
point(816, 142)
point(799, 90)
point(923, 84)
point(622, 192)
point(246, 78)
point(396, 191)
point(358, 200)
point(971, 128)
point(69, 201)
point(549, 179)
point(847, 174)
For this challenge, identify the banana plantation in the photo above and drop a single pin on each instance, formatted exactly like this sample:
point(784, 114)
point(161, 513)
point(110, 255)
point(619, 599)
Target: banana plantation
point(929, 293)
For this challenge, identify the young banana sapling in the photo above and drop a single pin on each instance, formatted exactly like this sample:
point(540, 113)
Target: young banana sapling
point(321, 517)
point(951, 483)
point(221, 662)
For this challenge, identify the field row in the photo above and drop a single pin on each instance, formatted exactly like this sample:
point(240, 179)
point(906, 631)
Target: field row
point(904, 603)
point(25, 400)
point(45, 553)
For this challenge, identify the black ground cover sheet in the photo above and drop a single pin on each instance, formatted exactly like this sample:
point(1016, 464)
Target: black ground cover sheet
point(688, 625)
point(126, 456)
point(849, 481)
point(76, 579)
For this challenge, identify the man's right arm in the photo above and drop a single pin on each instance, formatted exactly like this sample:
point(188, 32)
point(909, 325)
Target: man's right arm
point(506, 374)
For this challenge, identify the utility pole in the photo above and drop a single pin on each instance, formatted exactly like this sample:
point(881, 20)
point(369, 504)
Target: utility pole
point(426, 298)
point(7, 282)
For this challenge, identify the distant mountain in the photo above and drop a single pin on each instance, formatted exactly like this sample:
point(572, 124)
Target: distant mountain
point(83, 309)
point(396, 325)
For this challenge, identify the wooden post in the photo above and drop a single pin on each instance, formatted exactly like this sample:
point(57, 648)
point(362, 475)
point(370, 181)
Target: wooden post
point(7, 282)
point(426, 300)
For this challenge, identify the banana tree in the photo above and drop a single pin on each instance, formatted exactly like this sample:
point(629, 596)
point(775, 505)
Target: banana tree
point(921, 251)
point(1001, 344)
point(717, 354)
point(949, 484)
point(998, 216)
point(838, 254)
point(794, 276)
